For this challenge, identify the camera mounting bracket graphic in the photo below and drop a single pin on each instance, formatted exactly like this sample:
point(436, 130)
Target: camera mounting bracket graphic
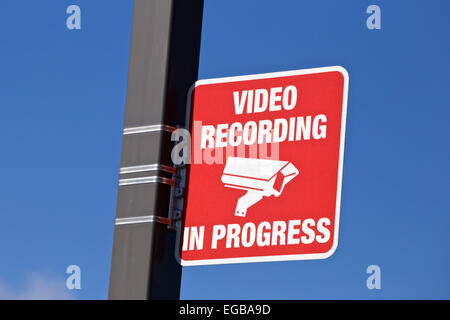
point(259, 177)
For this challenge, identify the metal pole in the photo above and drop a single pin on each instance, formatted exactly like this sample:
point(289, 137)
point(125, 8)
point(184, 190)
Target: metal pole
point(164, 54)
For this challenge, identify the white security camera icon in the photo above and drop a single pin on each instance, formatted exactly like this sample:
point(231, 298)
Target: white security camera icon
point(260, 177)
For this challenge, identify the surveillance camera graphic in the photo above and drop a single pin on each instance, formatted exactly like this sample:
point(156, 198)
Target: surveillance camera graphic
point(260, 177)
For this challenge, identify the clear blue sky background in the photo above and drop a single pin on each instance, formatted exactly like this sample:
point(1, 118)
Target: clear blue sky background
point(62, 100)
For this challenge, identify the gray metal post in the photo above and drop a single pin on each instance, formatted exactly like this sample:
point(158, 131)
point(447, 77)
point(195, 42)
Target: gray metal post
point(165, 45)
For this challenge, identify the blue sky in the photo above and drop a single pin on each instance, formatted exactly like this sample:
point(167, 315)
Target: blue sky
point(62, 98)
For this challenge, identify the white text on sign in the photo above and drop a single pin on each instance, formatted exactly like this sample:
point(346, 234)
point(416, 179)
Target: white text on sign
point(264, 131)
point(276, 233)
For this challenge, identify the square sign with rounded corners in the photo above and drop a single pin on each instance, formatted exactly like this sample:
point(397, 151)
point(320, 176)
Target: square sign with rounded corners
point(265, 174)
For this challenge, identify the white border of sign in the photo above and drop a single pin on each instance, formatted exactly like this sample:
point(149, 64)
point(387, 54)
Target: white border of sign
point(290, 257)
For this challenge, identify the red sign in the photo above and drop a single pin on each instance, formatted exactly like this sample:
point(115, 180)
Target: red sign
point(264, 183)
